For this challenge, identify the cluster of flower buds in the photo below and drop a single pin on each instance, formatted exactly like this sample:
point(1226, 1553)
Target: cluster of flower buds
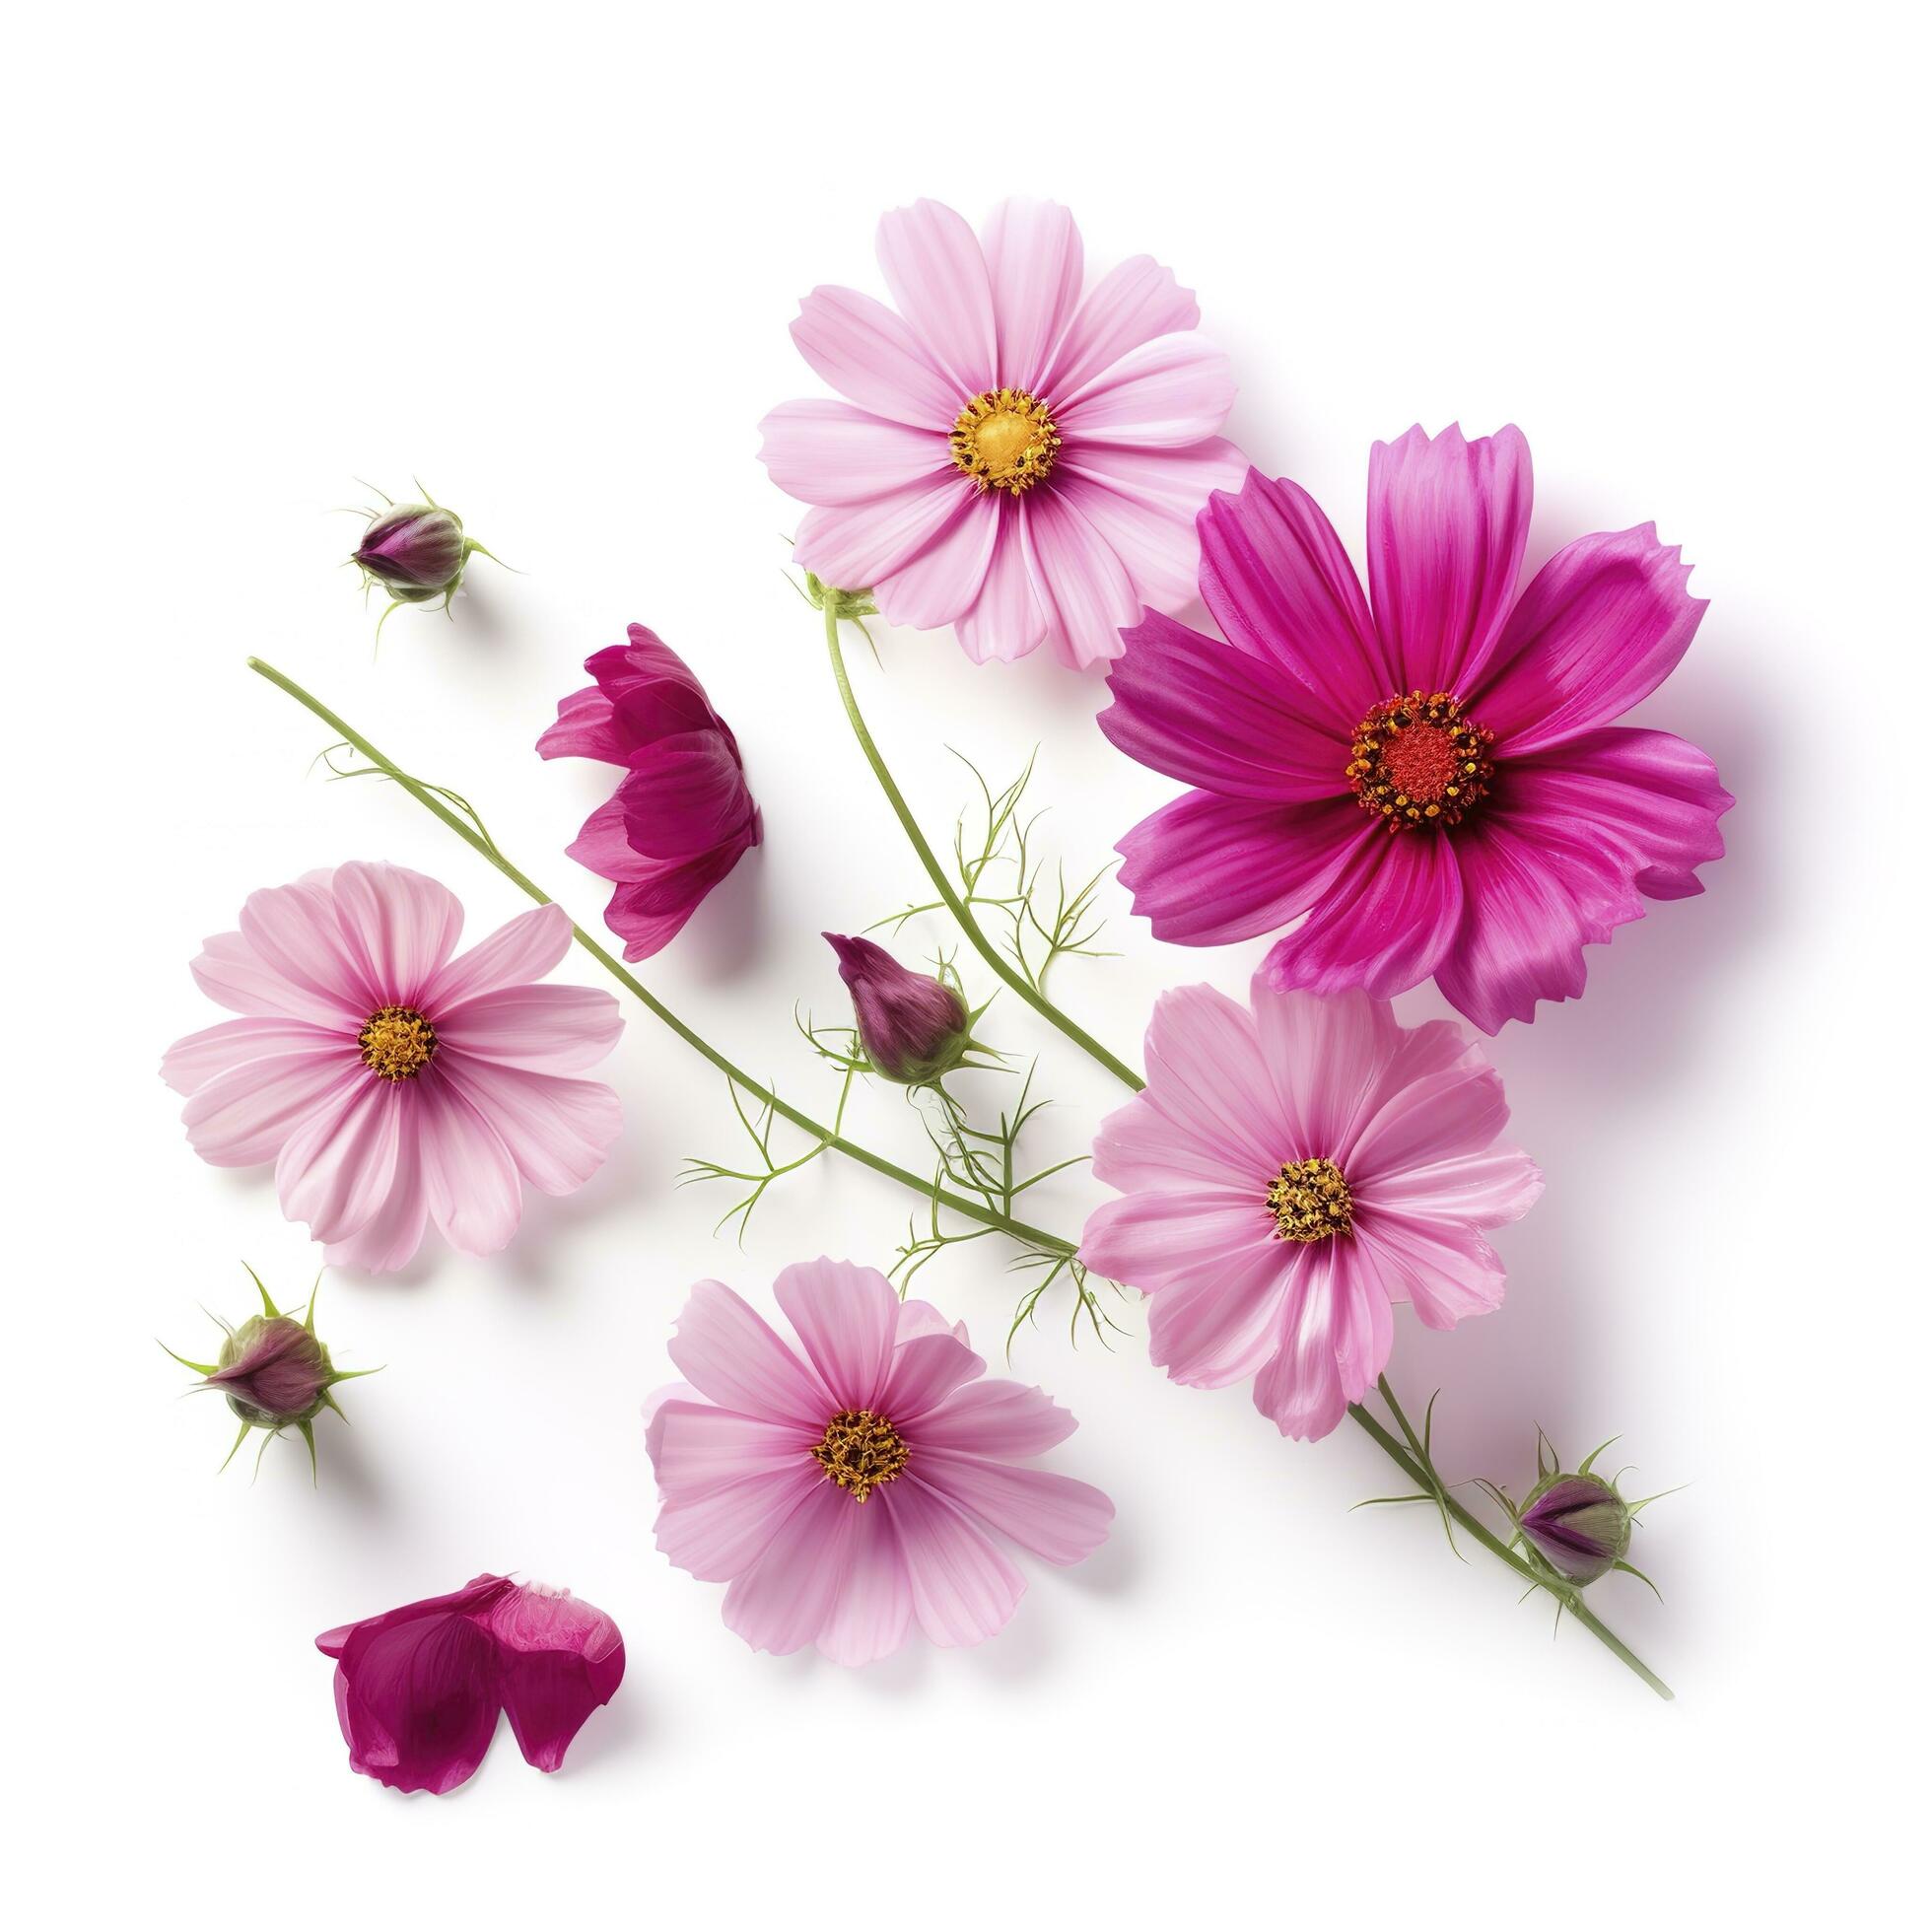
point(916, 1029)
point(275, 1373)
point(1574, 1523)
point(417, 551)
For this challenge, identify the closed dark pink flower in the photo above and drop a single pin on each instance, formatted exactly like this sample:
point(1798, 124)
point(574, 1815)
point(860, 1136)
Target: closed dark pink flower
point(418, 1689)
point(915, 1028)
point(681, 816)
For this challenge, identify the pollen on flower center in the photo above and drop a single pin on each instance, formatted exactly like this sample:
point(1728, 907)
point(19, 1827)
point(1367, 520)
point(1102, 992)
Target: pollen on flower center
point(1417, 760)
point(860, 1449)
point(396, 1042)
point(1310, 1201)
point(1006, 439)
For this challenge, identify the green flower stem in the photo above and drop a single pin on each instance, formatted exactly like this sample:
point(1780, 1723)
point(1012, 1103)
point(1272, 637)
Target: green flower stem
point(824, 1136)
point(1420, 1472)
point(943, 885)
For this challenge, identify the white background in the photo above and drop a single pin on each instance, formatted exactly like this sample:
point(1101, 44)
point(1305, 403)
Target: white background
point(545, 259)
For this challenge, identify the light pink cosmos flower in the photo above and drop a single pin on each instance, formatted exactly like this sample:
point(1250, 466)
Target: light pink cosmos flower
point(391, 1083)
point(860, 1480)
point(1288, 1174)
point(1010, 460)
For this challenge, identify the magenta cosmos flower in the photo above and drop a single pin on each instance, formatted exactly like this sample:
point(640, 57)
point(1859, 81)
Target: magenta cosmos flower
point(391, 1083)
point(1010, 460)
point(862, 1480)
point(681, 816)
point(419, 1690)
point(1288, 1174)
point(1431, 773)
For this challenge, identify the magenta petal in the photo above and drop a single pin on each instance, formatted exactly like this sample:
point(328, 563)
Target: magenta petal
point(649, 911)
point(1447, 523)
point(683, 796)
point(560, 1660)
point(1603, 623)
point(1281, 585)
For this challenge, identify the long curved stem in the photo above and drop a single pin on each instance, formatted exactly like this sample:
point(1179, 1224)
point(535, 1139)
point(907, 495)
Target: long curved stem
point(837, 1142)
point(942, 885)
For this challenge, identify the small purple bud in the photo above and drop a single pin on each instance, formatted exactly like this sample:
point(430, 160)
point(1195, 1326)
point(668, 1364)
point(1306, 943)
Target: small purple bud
point(915, 1028)
point(416, 550)
point(1579, 1524)
point(272, 1373)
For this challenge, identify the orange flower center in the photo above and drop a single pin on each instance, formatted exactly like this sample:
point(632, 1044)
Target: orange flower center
point(1311, 1202)
point(1417, 760)
point(1006, 439)
point(396, 1042)
point(860, 1449)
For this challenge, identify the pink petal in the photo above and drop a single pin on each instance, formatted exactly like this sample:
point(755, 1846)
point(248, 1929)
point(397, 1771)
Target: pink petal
point(964, 1588)
point(846, 1319)
point(336, 1169)
point(1132, 305)
point(1385, 923)
point(852, 546)
point(696, 1449)
point(932, 264)
point(244, 1117)
point(923, 1372)
point(560, 1659)
point(1603, 623)
point(1453, 1113)
point(400, 926)
point(649, 911)
point(1154, 1238)
point(1081, 584)
point(1448, 1272)
point(867, 353)
point(1300, 1388)
point(230, 972)
point(603, 846)
point(587, 727)
point(525, 949)
point(1142, 1146)
point(1144, 502)
point(683, 796)
point(722, 1533)
point(1007, 619)
point(1481, 1190)
point(1212, 715)
point(1447, 521)
point(1279, 585)
point(916, 1318)
point(1052, 1515)
point(469, 1174)
point(781, 1602)
point(1364, 1326)
point(829, 452)
point(1006, 1419)
point(727, 1353)
point(1219, 1322)
point(1206, 1075)
point(1206, 870)
point(1329, 1057)
point(559, 1132)
point(546, 1029)
point(295, 930)
point(873, 1611)
point(1167, 394)
point(943, 579)
point(193, 1062)
point(1034, 264)
point(390, 1236)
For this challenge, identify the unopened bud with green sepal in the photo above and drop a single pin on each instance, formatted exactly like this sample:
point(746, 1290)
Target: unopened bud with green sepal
point(1574, 1522)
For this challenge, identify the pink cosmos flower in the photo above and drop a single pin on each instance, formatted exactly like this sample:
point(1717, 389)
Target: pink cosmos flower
point(1288, 1174)
point(1010, 460)
point(857, 1482)
point(681, 816)
point(391, 1083)
point(419, 1690)
point(1439, 786)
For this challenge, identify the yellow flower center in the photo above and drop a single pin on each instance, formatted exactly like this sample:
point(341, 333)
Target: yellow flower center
point(1417, 760)
point(1006, 439)
point(396, 1042)
point(860, 1450)
point(1310, 1201)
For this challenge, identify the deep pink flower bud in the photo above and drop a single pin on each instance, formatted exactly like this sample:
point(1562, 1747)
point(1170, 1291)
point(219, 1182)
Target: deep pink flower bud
point(915, 1028)
point(1579, 1524)
point(416, 552)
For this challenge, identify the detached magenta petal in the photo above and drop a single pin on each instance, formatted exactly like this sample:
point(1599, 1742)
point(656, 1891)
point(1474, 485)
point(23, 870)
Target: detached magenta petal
point(560, 1659)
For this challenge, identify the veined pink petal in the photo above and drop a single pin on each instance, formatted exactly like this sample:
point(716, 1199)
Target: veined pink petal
point(230, 971)
point(296, 932)
point(603, 846)
point(934, 266)
point(1080, 583)
point(829, 452)
point(1209, 715)
point(1206, 870)
point(846, 1318)
point(1300, 1389)
point(399, 925)
point(1447, 523)
point(524, 950)
point(729, 1354)
point(559, 1132)
point(1279, 585)
point(192, 1062)
point(587, 727)
point(1158, 1237)
point(1169, 392)
point(853, 545)
point(1364, 1322)
point(964, 1588)
point(1456, 1112)
point(545, 1029)
point(650, 911)
point(1034, 264)
point(335, 1170)
point(1144, 502)
point(696, 1449)
point(1207, 1077)
point(922, 1373)
point(868, 354)
point(916, 1318)
point(471, 1178)
point(874, 1610)
point(1482, 1190)
point(1222, 1320)
point(1448, 1271)
point(789, 1593)
point(722, 1533)
point(242, 1118)
point(943, 579)
point(1008, 618)
point(1329, 1057)
point(1005, 1419)
point(1128, 306)
point(559, 1660)
point(1603, 623)
point(390, 1236)
point(1056, 1518)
